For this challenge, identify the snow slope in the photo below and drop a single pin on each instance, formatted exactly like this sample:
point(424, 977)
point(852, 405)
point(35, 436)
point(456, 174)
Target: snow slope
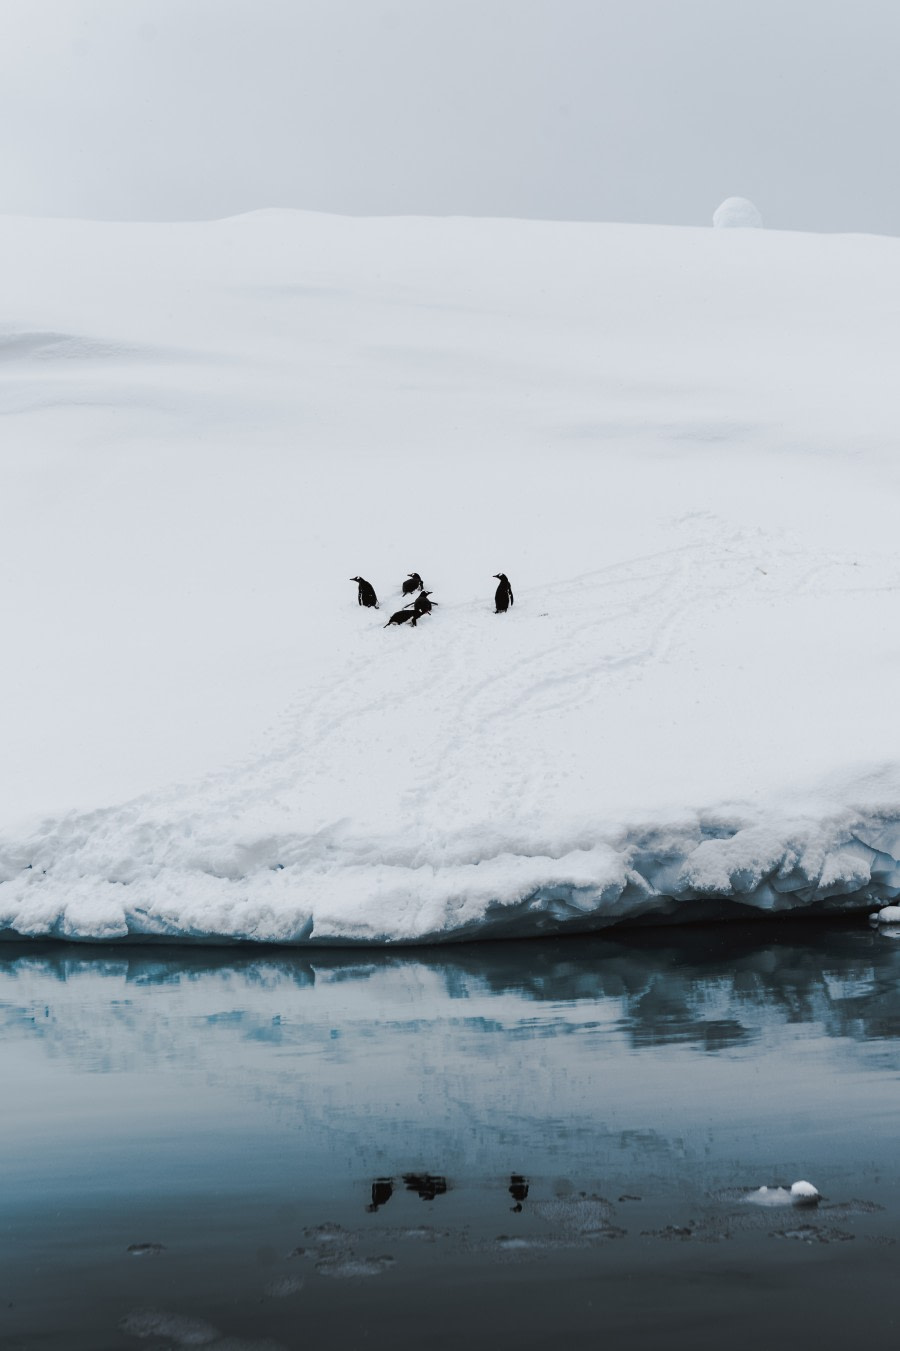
point(679, 445)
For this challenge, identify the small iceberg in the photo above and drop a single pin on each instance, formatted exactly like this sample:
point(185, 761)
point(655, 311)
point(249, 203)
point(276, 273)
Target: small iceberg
point(799, 1194)
point(889, 915)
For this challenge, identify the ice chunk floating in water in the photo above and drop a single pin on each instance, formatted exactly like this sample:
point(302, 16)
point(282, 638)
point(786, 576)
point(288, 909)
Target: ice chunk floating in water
point(798, 1194)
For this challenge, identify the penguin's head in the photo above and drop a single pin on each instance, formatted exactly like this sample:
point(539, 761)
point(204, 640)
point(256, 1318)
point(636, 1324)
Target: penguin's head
point(356, 579)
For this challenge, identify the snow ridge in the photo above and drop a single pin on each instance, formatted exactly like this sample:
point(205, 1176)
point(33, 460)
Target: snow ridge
point(694, 869)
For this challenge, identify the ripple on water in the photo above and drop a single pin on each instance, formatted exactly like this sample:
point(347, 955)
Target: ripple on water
point(284, 1287)
point(185, 1332)
point(349, 1266)
point(813, 1233)
point(588, 1215)
point(157, 1323)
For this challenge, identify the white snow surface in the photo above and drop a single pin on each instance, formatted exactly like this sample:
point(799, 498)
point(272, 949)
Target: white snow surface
point(737, 213)
point(680, 445)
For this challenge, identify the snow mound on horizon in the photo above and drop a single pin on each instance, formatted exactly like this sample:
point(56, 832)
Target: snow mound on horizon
point(737, 213)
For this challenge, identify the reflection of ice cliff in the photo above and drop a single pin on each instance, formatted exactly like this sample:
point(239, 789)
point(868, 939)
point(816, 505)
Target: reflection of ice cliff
point(477, 1056)
point(704, 992)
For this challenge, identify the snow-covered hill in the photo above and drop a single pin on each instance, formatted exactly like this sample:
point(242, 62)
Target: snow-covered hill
point(679, 444)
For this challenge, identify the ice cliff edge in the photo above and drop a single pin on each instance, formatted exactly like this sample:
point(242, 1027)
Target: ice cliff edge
point(73, 881)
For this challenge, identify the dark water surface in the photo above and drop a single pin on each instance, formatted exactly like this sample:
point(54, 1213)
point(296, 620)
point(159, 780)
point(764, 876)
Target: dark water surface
point(542, 1144)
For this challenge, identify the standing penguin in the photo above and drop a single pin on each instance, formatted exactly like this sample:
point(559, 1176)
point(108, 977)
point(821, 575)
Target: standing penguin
point(382, 1191)
point(422, 605)
point(518, 1190)
point(414, 583)
point(503, 596)
point(366, 592)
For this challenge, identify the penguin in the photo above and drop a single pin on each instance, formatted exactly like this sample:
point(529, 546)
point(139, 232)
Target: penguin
point(518, 1190)
point(401, 616)
point(382, 1191)
point(426, 1185)
point(503, 596)
point(414, 583)
point(422, 605)
point(366, 592)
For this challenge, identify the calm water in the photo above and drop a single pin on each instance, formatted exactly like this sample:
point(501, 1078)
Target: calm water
point(524, 1145)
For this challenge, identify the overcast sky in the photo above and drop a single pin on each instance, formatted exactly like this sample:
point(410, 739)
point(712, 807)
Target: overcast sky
point(634, 110)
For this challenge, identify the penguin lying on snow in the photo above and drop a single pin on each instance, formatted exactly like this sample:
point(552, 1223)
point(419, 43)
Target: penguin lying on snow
point(366, 592)
point(503, 596)
point(414, 583)
point(415, 610)
point(401, 616)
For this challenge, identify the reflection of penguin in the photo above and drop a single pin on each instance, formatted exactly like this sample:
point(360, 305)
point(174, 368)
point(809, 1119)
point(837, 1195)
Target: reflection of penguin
point(401, 616)
point(414, 583)
point(366, 592)
point(426, 1185)
point(503, 596)
point(518, 1190)
point(422, 605)
point(382, 1191)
